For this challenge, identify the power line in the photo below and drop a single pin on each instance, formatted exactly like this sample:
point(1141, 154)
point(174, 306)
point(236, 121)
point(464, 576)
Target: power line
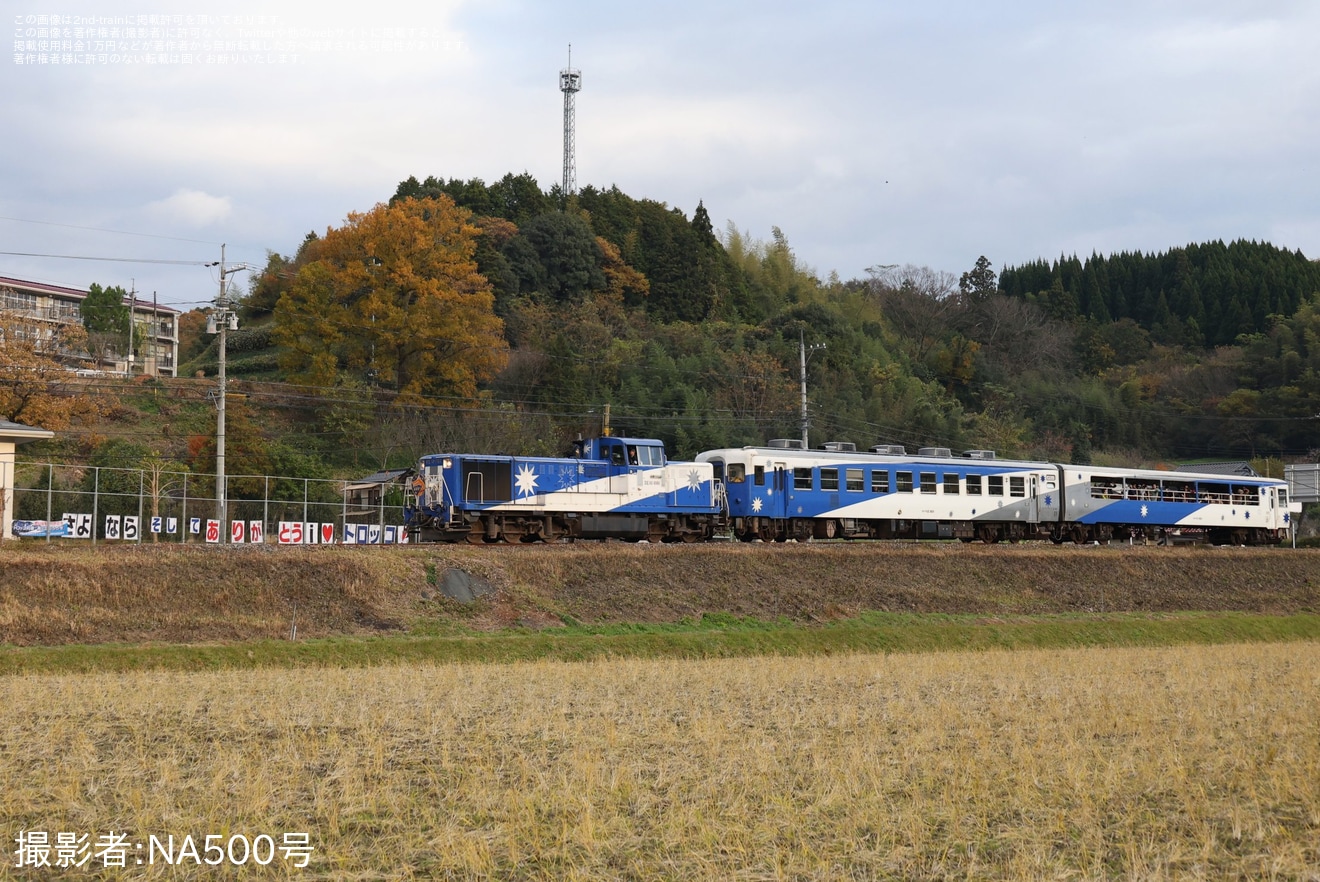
point(21, 220)
point(106, 259)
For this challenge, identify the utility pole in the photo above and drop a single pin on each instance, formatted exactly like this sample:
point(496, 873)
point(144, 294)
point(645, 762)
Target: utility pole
point(803, 351)
point(222, 320)
point(132, 302)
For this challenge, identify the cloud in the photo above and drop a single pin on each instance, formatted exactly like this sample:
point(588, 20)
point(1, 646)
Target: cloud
point(192, 207)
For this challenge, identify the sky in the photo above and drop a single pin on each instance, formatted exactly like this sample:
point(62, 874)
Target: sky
point(870, 133)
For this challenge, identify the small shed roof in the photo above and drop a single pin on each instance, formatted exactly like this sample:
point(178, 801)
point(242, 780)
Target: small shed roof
point(1242, 469)
point(17, 432)
point(377, 478)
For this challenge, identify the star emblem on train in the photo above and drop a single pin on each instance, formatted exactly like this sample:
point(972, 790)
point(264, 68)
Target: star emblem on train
point(1145, 510)
point(694, 480)
point(756, 504)
point(526, 481)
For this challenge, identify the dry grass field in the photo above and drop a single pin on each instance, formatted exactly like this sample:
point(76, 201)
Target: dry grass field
point(1189, 762)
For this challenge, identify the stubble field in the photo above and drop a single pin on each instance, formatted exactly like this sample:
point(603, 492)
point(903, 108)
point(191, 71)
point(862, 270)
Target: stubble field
point(1184, 762)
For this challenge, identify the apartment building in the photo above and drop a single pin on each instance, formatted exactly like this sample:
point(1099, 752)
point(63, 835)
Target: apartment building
point(158, 326)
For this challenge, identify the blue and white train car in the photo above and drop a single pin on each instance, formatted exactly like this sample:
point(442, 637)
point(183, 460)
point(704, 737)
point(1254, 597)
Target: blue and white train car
point(609, 488)
point(1104, 503)
point(786, 492)
point(783, 492)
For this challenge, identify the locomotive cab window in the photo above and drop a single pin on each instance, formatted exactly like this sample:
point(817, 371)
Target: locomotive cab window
point(801, 479)
point(758, 475)
point(737, 473)
point(880, 481)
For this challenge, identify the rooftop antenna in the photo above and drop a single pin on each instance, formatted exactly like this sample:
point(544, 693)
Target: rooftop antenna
point(570, 81)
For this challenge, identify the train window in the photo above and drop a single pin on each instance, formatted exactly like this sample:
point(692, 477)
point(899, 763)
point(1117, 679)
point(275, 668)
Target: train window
point(1017, 487)
point(879, 481)
point(951, 483)
point(801, 479)
point(1215, 493)
point(737, 473)
point(829, 479)
point(856, 483)
point(994, 485)
point(647, 456)
point(1178, 491)
point(1283, 498)
point(1244, 494)
point(616, 454)
point(927, 482)
point(904, 482)
point(973, 485)
point(758, 476)
point(1142, 489)
point(1105, 488)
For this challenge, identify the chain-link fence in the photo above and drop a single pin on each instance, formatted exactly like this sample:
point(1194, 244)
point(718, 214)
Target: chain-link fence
point(55, 502)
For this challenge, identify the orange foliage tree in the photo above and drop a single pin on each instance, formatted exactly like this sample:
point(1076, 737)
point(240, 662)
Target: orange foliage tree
point(394, 296)
point(36, 389)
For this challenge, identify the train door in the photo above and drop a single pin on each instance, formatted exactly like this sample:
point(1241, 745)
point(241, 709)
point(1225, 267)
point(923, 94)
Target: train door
point(777, 498)
point(1047, 493)
point(618, 466)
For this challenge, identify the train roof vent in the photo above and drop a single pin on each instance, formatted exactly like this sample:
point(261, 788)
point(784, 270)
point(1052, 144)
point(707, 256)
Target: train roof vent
point(839, 446)
point(890, 449)
point(935, 451)
point(979, 454)
point(787, 443)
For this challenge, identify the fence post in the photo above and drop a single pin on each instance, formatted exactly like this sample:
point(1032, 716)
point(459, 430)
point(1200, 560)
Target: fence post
point(50, 492)
point(142, 489)
point(183, 521)
point(96, 498)
point(265, 509)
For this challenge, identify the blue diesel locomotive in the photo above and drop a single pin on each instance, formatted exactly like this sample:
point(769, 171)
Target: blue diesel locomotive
point(609, 488)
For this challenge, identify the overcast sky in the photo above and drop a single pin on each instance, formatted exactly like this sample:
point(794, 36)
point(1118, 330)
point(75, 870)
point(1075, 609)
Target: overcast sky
point(870, 133)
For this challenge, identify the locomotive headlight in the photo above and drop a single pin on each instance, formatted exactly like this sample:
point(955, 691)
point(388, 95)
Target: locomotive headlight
point(446, 463)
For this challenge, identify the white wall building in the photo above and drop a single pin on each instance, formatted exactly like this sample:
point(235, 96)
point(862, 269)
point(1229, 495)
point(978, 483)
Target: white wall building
point(158, 354)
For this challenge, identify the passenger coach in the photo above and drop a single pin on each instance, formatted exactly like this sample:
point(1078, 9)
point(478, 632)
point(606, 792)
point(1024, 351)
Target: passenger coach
point(784, 491)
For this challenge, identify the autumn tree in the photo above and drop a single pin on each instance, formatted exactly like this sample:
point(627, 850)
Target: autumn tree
point(35, 388)
point(393, 296)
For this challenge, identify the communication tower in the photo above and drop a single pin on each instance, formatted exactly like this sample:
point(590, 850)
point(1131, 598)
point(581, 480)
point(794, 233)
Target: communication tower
point(570, 81)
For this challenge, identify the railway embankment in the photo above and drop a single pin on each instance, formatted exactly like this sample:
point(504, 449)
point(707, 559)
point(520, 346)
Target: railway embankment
point(62, 595)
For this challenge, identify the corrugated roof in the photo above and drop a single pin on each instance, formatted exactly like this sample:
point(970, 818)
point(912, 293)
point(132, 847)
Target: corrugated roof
point(1241, 468)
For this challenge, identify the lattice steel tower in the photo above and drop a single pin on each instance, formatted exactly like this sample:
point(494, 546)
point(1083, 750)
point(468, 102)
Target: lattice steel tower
point(570, 81)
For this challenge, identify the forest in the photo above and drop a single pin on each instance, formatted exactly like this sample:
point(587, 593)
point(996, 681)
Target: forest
point(458, 314)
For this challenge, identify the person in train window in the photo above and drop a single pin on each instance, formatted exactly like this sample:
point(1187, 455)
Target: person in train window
point(632, 454)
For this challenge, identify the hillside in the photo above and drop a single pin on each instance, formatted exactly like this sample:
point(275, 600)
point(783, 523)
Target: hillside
point(60, 595)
